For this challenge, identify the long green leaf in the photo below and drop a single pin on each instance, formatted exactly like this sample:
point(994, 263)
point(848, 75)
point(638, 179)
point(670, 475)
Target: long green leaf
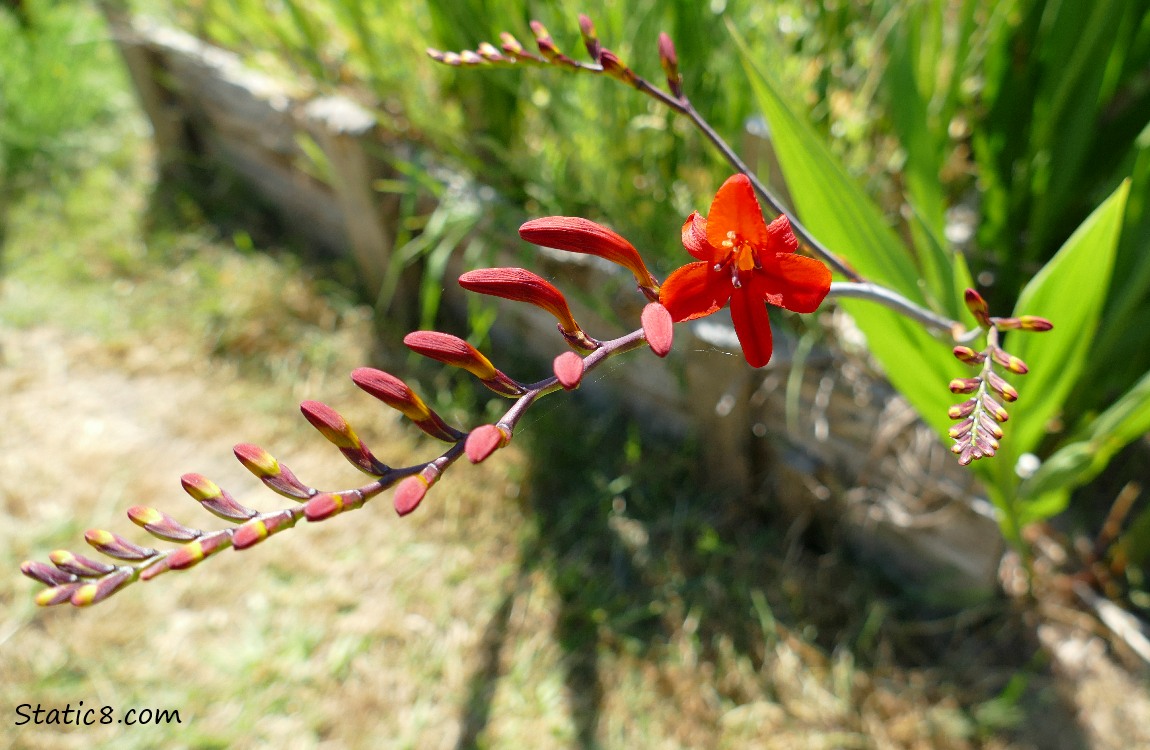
point(840, 214)
point(830, 203)
point(1082, 460)
point(1070, 291)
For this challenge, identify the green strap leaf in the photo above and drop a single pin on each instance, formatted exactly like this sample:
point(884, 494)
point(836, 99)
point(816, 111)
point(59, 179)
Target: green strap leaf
point(841, 215)
point(1070, 291)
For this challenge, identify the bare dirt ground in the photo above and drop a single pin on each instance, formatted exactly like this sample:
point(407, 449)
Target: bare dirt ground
point(367, 628)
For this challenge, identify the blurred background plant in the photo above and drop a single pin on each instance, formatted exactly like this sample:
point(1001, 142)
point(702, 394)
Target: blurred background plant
point(56, 79)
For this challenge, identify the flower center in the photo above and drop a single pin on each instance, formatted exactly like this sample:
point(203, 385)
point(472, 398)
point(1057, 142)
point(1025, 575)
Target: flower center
point(741, 257)
point(742, 254)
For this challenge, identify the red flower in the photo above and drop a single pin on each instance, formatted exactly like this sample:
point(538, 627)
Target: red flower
point(746, 261)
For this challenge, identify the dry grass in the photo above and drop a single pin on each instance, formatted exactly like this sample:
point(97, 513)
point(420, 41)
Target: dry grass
point(584, 592)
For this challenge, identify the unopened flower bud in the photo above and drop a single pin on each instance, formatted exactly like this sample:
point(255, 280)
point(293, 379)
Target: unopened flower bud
point(1034, 323)
point(1009, 361)
point(328, 504)
point(590, 38)
point(395, 393)
point(510, 44)
point(520, 285)
point(1004, 389)
point(454, 351)
point(114, 545)
point(547, 46)
point(490, 53)
point(215, 500)
point(578, 235)
point(339, 433)
point(49, 575)
point(485, 440)
point(658, 328)
point(965, 385)
point(568, 368)
point(271, 472)
point(97, 591)
point(409, 494)
point(196, 551)
point(58, 594)
point(962, 429)
point(978, 307)
point(968, 355)
point(85, 567)
point(994, 408)
point(963, 410)
point(258, 529)
point(670, 62)
point(615, 68)
point(160, 524)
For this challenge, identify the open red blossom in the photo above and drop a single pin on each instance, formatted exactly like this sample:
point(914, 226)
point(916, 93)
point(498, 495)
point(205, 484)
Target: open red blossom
point(744, 261)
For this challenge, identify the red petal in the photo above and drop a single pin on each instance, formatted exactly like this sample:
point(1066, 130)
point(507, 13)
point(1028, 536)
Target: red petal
point(736, 209)
point(695, 239)
point(753, 326)
point(795, 282)
point(780, 237)
point(694, 291)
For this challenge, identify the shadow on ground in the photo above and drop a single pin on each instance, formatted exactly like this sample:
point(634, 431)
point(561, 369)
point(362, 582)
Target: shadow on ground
point(643, 554)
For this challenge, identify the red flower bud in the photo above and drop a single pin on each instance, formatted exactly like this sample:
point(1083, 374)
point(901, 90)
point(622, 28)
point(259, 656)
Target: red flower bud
point(994, 408)
point(963, 410)
point(568, 368)
point(395, 393)
point(85, 567)
point(454, 351)
point(510, 44)
point(48, 575)
point(615, 68)
point(272, 473)
point(965, 385)
point(160, 524)
point(409, 494)
point(195, 552)
point(1004, 389)
point(1034, 323)
point(215, 500)
point(258, 529)
point(58, 594)
point(670, 62)
point(978, 307)
point(578, 235)
point(968, 355)
point(485, 440)
point(114, 545)
point(520, 285)
point(490, 53)
point(330, 424)
point(1009, 361)
point(98, 591)
point(590, 38)
point(658, 328)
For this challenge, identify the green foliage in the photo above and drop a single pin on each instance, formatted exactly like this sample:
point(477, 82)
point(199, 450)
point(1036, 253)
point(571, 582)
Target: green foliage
point(841, 215)
point(1072, 289)
point(55, 80)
